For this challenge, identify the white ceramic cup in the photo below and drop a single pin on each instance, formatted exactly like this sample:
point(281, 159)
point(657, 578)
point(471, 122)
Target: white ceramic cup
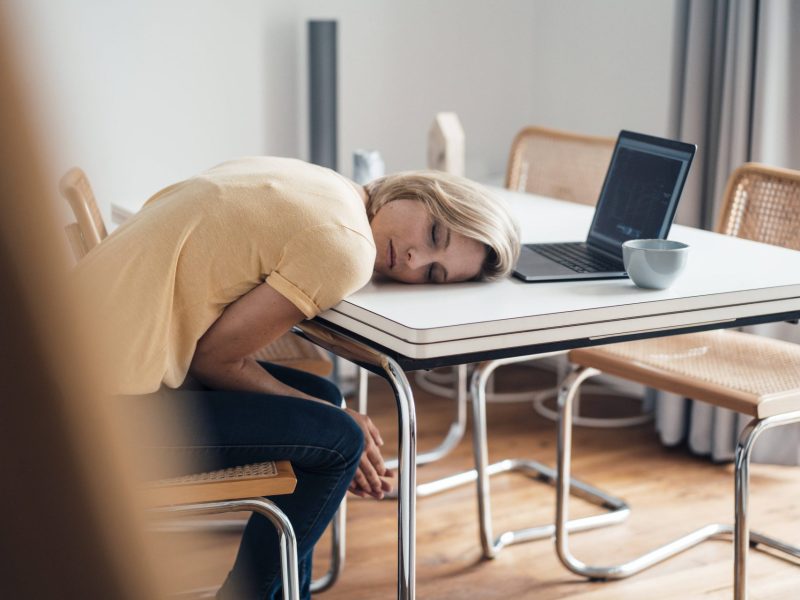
point(654, 264)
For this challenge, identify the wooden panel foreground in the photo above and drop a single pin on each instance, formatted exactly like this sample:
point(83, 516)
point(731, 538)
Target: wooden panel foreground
point(670, 492)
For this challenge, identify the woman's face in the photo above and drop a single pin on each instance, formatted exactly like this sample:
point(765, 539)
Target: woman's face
point(413, 248)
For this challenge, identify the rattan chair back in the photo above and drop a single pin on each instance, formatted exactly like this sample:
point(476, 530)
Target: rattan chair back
point(559, 164)
point(762, 203)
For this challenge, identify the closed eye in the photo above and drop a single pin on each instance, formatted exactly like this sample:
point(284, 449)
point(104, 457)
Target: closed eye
point(436, 275)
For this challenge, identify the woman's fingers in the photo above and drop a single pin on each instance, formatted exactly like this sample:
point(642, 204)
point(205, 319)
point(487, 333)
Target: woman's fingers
point(354, 489)
point(361, 488)
point(375, 458)
point(361, 480)
point(370, 475)
point(374, 433)
point(367, 426)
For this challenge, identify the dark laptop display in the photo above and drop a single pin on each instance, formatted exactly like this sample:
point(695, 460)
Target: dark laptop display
point(638, 201)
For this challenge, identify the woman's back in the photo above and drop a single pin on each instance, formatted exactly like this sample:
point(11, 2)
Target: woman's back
point(163, 278)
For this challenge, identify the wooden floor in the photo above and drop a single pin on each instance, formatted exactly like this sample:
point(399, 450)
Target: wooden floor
point(670, 491)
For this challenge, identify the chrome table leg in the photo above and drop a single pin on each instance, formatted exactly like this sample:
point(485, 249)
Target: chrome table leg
point(363, 387)
point(364, 355)
point(454, 435)
point(452, 439)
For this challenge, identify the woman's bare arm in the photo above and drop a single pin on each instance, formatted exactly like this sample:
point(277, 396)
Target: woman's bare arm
point(222, 360)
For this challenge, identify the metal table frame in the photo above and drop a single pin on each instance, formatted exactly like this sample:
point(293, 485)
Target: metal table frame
point(377, 362)
point(392, 366)
point(618, 509)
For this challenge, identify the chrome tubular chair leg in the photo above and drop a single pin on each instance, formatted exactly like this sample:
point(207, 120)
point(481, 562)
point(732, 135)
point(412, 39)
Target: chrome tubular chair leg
point(262, 506)
point(741, 539)
point(338, 544)
point(565, 398)
point(742, 536)
point(338, 537)
point(360, 353)
point(618, 509)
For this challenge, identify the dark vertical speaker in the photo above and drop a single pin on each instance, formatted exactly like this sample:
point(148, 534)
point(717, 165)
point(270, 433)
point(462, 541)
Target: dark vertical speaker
point(322, 106)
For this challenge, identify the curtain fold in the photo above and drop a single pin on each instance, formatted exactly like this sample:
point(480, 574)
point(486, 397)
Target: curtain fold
point(737, 97)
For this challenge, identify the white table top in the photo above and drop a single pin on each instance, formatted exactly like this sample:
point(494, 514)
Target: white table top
point(725, 279)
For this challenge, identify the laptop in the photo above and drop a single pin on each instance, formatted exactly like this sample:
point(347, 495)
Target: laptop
point(638, 201)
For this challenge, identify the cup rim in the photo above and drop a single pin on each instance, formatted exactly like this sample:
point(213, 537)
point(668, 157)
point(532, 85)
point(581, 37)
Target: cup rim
point(672, 245)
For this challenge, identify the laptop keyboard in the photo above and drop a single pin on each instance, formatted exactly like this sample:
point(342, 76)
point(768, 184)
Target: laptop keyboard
point(577, 257)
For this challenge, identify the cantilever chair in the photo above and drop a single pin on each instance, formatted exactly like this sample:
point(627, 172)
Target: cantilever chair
point(232, 490)
point(228, 490)
point(753, 375)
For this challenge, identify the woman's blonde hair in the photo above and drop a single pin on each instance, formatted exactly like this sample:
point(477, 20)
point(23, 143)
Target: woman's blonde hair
point(463, 206)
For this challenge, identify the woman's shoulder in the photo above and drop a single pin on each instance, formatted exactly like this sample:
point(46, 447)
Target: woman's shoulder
point(337, 245)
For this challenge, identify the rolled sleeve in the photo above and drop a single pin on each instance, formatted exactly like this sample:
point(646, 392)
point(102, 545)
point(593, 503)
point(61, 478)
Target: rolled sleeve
point(321, 267)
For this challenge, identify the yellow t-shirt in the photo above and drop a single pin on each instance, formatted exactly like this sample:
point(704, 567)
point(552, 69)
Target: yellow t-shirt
point(162, 279)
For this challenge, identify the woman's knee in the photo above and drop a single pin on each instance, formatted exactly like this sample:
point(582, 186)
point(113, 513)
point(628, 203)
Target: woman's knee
point(351, 437)
point(325, 389)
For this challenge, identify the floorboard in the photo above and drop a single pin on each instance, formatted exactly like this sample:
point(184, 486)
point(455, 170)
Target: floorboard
point(670, 491)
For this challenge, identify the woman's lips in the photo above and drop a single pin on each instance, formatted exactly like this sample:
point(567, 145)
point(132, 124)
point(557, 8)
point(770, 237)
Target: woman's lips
point(391, 255)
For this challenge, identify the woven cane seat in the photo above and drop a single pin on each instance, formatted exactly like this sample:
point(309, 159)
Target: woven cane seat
point(248, 481)
point(750, 374)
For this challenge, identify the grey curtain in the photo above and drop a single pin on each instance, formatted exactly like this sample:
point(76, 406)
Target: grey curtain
point(737, 92)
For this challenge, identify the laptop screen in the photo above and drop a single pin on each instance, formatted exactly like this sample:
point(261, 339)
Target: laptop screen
point(641, 190)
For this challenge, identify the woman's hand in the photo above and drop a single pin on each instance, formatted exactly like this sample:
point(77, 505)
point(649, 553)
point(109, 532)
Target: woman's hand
point(372, 477)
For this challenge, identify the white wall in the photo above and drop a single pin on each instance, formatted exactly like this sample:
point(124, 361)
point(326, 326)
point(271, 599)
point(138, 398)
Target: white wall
point(144, 93)
point(401, 62)
point(603, 66)
point(141, 94)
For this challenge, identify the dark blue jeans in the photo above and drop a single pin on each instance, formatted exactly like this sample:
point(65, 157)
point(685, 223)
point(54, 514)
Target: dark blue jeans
point(323, 443)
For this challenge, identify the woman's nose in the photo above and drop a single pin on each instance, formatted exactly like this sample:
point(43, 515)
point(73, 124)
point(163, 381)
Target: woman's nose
point(416, 258)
